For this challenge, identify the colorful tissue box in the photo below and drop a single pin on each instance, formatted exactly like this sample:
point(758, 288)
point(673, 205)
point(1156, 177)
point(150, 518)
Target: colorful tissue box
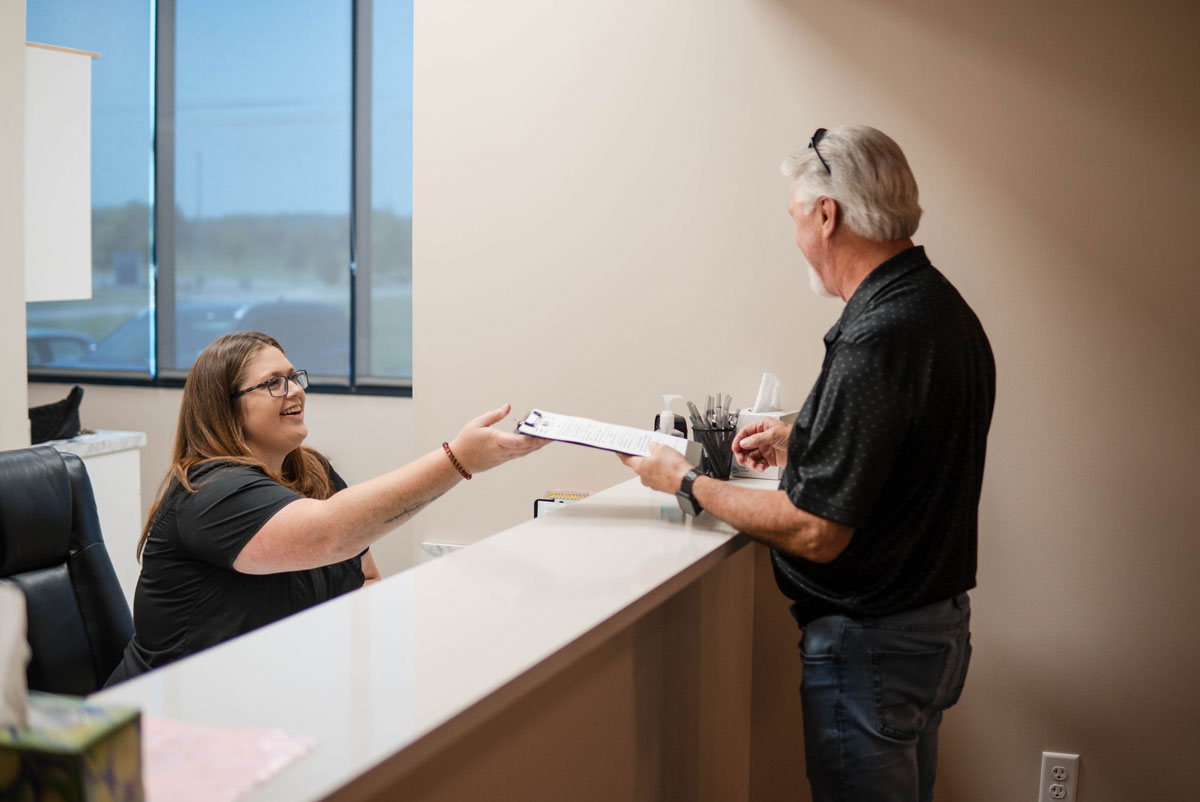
point(72, 751)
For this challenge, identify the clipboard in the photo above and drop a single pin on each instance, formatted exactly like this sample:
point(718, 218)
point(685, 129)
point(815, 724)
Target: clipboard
point(604, 436)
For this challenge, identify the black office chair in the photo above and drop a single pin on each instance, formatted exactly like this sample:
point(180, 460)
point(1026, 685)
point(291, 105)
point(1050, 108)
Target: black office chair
point(50, 547)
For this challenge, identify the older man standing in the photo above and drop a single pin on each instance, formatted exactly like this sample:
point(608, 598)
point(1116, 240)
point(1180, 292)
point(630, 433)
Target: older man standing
point(873, 529)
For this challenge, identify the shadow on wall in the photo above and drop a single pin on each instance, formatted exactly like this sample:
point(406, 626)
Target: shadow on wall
point(1056, 144)
point(1084, 114)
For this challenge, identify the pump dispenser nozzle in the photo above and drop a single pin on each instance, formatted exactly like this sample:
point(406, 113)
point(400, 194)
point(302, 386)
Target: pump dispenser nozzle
point(666, 418)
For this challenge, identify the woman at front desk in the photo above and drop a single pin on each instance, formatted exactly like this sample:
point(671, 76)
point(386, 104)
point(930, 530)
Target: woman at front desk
point(251, 526)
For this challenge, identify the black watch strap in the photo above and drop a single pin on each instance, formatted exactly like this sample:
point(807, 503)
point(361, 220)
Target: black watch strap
point(687, 501)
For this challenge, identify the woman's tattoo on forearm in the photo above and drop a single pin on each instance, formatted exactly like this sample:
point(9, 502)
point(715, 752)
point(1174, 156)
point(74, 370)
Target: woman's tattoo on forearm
point(411, 509)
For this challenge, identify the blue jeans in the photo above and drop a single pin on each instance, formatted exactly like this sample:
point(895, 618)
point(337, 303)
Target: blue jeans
point(873, 693)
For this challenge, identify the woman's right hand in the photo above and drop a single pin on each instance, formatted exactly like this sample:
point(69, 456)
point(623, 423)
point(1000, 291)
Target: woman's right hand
point(479, 447)
point(762, 444)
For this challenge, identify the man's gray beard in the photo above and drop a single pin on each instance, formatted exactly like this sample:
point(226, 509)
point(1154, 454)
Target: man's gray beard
point(817, 286)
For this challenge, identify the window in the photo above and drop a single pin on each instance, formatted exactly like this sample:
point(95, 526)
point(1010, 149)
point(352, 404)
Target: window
point(390, 340)
point(262, 175)
point(69, 333)
point(258, 145)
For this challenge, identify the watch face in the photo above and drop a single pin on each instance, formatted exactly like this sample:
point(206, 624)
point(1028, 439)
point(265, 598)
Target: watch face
point(687, 503)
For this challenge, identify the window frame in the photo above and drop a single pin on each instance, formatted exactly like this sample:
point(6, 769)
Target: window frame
point(162, 235)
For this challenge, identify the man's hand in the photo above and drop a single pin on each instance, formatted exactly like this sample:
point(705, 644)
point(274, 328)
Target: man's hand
point(662, 470)
point(767, 516)
point(762, 444)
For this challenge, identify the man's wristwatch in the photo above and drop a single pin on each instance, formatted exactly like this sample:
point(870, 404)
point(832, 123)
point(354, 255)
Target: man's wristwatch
point(687, 502)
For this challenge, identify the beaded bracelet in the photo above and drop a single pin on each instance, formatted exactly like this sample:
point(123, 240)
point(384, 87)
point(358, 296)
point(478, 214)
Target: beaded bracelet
point(455, 462)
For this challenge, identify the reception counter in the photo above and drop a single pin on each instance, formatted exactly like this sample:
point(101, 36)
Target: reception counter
point(600, 652)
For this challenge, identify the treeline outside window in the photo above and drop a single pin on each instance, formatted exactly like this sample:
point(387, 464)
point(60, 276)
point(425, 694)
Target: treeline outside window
point(279, 199)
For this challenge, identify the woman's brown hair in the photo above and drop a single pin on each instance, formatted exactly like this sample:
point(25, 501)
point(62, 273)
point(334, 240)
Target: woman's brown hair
point(210, 429)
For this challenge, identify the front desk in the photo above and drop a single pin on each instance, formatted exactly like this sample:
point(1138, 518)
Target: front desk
point(600, 652)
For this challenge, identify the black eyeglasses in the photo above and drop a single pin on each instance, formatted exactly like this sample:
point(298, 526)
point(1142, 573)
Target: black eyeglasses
point(812, 143)
point(277, 385)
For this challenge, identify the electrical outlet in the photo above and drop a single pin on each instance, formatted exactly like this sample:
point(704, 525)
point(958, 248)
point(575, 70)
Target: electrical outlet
point(1060, 777)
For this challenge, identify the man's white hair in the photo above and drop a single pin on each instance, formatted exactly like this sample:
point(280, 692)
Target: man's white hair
point(868, 176)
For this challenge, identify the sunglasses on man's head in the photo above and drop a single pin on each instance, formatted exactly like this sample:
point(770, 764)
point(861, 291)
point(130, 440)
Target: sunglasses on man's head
point(813, 142)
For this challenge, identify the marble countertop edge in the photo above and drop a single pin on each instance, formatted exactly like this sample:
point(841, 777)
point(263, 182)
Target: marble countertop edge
point(102, 441)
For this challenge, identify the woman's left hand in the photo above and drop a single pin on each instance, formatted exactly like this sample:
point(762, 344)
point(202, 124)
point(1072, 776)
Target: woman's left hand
point(479, 447)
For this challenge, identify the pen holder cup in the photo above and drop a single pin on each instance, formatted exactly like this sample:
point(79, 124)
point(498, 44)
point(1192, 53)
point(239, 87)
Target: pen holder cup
point(718, 450)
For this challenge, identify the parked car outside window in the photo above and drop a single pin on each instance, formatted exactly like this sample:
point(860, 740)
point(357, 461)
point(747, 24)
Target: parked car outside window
point(315, 335)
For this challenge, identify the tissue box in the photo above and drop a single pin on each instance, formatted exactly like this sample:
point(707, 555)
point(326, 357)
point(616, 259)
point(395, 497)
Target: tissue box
point(745, 418)
point(72, 751)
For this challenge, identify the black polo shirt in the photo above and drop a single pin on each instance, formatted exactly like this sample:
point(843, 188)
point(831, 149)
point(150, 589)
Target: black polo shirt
point(891, 441)
point(189, 597)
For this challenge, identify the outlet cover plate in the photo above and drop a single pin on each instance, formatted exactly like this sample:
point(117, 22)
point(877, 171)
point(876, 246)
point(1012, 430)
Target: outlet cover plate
point(1060, 777)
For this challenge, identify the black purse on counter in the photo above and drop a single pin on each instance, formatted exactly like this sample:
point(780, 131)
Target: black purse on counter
point(57, 421)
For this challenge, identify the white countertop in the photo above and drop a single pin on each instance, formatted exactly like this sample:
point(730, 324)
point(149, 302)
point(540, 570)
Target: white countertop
point(428, 653)
point(101, 441)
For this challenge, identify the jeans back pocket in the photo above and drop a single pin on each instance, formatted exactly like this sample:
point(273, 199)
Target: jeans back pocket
point(906, 685)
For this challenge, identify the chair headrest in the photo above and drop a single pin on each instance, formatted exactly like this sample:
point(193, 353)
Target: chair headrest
point(35, 510)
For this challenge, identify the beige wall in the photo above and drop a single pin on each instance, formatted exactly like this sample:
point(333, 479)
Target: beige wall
point(14, 421)
point(600, 220)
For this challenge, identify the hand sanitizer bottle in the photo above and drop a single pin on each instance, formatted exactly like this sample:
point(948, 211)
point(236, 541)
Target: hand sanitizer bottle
point(667, 422)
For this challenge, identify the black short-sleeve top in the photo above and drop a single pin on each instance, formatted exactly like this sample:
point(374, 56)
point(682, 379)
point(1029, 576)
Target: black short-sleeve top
point(891, 441)
point(188, 595)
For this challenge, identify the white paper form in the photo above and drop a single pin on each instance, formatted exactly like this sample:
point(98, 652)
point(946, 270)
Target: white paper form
point(607, 436)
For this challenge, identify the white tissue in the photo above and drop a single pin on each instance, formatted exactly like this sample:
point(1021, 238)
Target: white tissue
point(14, 656)
point(768, 394)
